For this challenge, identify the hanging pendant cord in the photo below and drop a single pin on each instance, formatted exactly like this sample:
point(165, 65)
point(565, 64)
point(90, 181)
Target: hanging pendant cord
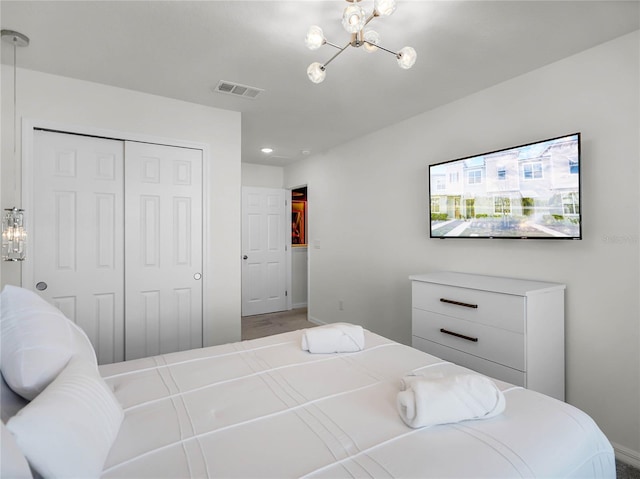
point(15, 130)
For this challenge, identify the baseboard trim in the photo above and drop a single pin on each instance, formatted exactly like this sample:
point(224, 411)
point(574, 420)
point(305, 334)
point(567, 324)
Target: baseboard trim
point(298, 305)
point(626, 455)
point(315, 321)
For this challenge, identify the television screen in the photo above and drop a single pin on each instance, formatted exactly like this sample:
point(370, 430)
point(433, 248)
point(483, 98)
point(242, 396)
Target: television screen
point(527, 191)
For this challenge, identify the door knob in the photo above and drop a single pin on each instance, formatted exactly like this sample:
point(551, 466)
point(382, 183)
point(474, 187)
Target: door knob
point(197, 276)
point(245, 257)
point(41, 286)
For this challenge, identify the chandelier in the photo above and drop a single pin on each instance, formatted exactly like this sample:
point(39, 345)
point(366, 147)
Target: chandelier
point(14, 236)
point(354, 20)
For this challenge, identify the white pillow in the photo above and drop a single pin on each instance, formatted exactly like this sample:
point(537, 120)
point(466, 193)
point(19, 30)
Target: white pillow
point(37, 341)
point(68, 430)
point(10, 402)
point(13, 464)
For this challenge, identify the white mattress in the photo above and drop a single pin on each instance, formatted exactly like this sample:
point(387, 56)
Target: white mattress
point(265, 408)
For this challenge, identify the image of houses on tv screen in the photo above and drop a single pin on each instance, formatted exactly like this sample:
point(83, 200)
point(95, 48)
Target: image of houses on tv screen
point(523, 192)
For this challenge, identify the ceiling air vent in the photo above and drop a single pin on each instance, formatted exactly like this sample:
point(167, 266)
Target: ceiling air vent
point(237, 89)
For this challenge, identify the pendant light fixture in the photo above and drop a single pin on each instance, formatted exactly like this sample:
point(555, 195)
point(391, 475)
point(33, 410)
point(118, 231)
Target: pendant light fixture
point(14, 235)
point(354, 20)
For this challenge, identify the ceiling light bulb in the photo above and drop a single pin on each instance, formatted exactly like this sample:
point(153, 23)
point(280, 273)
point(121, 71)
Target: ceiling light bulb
point(385, 7)
point(354, 18)
point(316, 72)
point(267, 150)
point(407, 57)
point(315, 38)
point(371, 39)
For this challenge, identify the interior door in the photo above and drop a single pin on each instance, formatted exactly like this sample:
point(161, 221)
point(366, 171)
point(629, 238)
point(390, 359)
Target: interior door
point(265, 230)
point(163, 249)
point(77, 234)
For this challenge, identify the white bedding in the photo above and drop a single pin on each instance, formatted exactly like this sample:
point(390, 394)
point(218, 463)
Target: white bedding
point(266, 408)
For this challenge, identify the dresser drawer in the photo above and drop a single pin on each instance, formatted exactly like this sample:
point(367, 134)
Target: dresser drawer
point(499, 310)
point(494, 370)
point(518, 323)
point(494, 344)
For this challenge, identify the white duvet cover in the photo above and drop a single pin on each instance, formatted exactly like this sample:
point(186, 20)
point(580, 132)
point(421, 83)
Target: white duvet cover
point(266, 408)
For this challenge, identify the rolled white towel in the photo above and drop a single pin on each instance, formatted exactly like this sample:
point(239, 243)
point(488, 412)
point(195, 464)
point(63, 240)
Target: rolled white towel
point(449, 400)
point(335, 338)
point(407, 381)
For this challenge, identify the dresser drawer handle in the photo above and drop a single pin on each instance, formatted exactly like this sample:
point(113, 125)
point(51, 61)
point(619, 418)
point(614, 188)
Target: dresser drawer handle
point(458, 335)
point(458, 303)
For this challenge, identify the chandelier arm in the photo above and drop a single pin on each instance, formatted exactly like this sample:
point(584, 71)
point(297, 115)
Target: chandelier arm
point(333, 45)
point(371, 17)
point(382, 48)
point(332, 58)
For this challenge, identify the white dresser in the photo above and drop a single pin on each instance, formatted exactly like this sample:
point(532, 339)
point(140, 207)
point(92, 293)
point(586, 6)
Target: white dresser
point(509, 329)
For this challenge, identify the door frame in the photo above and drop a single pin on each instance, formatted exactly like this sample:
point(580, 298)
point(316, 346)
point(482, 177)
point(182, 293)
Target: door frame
point(28, 164)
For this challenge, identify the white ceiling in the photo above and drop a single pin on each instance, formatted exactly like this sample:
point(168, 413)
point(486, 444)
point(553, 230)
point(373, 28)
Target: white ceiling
point(181, 49)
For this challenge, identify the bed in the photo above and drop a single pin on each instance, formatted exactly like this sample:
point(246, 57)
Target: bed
point(268, 408)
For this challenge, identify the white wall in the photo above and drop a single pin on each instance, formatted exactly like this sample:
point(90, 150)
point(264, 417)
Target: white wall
point(299, 259)
point(264, 176)
point(370, 230)
point(73, 102)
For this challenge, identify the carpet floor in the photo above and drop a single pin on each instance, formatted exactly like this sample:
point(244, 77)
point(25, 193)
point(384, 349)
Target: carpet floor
point(274, 323)
point(625, 471)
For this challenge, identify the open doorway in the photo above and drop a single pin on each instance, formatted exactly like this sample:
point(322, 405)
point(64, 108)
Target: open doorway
point(299, 251)
point(299, 217)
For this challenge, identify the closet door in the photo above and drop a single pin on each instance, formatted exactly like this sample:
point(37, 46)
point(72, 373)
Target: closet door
point(77, 234)
point(163, 249)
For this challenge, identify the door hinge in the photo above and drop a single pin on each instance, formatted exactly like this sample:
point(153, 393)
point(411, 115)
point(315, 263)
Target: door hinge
point(286, 248)
point(286, 293)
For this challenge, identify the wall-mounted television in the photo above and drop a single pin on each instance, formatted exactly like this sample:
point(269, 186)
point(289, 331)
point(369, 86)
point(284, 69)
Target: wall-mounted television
point(530, 191)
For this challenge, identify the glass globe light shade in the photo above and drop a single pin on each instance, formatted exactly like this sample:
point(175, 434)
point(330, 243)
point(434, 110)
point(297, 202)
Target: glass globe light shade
point(316, 73)
point(315, 38)
point(385, 7)
point(354, 18)
point(407, 57)
point(371, 39)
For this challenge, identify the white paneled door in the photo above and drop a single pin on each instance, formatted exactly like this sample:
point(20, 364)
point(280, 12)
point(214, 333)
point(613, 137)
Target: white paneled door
point(78, 232)
point(163, 192)
point(117, 241)
point(264, 242)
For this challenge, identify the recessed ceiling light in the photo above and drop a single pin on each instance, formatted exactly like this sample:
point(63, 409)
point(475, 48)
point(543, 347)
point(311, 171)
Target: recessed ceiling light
point(305, 152)
point(267, 150)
